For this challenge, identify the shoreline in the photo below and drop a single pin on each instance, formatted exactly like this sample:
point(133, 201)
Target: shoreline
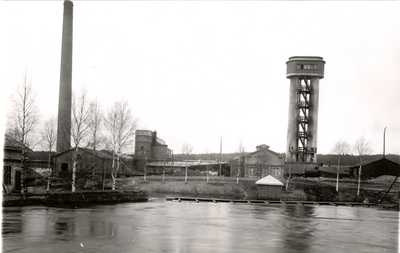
point(74, 199)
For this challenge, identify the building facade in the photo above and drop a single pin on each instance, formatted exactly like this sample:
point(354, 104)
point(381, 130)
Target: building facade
point(91, 165)
point(149, 148)
point(258, 164)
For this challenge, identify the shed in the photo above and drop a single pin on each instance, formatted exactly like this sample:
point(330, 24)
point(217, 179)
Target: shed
point(377, 168)
point(269, 188)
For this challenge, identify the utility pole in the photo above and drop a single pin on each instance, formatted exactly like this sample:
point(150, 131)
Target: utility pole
point(220, 156)
point(384, 141)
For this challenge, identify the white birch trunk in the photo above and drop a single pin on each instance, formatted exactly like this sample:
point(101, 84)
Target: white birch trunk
point(48, 178)
point(337, 175)
point(73, 188)
point(112, 172)
point(359, 181)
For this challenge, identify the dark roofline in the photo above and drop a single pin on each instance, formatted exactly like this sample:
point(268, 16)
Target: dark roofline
point(267, 149)
point(86, 150)
point(374, 161)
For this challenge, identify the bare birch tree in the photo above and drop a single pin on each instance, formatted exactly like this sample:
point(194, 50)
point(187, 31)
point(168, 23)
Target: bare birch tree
point(95, 137)
point(23, 123)
point(120, 126)
point(79, 129)
point(95, 123)
point(49, 136)
point(361, 148)
point(187, 150)
point(341, 148)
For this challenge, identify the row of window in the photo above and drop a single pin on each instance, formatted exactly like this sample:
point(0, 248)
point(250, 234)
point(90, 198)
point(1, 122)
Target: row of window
point(307, 66)
point(273, 171)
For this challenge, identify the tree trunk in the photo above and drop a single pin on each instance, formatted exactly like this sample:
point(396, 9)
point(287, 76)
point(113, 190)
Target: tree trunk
point(23, 169)
point(115, 174)
point(359, 181)
point(207, 175)
point(359, 178)
point(337, 175)
point(237, 176)
point(51, 171)
point(112, 172)
point(74, 163)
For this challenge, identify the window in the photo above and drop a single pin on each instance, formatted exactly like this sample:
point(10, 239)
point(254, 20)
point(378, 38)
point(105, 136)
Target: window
point(64, 167)
point(7, 175)
point(275, 171)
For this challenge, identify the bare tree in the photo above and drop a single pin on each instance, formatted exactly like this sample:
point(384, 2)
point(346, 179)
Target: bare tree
point(79, 129)
point(241, 151)
point(24, 120)
point(95, 137)
point(341, 148)
point(121, 127)
point(95, 121)
point(49, 136)
point(187, 150)
point(361, 148)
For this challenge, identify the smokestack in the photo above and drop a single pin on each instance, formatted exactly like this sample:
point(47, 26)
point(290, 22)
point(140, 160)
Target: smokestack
point(65, 91)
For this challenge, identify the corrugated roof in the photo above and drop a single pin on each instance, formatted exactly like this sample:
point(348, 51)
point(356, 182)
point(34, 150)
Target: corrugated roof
point(269, 180)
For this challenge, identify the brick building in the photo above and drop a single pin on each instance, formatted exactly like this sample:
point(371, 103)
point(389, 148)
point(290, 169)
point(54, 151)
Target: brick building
point(94, 165)
point(149, 148)
point(259, 163)
point(12, 164)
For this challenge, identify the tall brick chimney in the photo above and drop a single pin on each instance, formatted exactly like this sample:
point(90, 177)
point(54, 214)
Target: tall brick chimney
point(65, 91)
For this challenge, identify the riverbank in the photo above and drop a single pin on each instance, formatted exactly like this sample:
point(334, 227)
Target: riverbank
point(300, 189)
point(284, 203)
point(74, 199)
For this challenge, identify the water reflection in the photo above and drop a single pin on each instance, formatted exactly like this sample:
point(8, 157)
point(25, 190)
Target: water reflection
point(299, 227)
point(199, 227)
point(12, 222)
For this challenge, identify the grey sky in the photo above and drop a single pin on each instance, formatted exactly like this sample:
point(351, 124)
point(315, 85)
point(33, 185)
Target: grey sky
point(195, 71)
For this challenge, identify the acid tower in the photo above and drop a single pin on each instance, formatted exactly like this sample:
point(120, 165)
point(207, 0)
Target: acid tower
point(304, 73)
point(65, 91)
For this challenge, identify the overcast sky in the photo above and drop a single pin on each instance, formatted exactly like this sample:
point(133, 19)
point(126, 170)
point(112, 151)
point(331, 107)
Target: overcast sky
point(195, 71)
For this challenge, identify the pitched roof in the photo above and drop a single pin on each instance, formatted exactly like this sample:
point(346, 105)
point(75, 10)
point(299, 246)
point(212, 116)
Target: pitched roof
point(378, 168)
point(98, 153)
point(11, 142)
point(269, 180)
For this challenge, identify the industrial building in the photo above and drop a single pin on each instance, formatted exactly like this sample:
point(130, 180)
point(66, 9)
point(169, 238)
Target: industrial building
point(149, 148)
point(12, 164)
point(95, 165)
point(193, 168)
point(375, 169)
point(259, 163)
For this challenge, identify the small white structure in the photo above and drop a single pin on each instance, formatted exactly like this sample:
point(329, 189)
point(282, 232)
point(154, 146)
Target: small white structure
point(269, 188)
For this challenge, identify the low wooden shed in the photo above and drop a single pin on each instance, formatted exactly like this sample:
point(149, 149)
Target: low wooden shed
point(269, 188)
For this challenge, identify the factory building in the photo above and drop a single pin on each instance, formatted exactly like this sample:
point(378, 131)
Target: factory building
point(149, 148)
point(95, 165)
point(259, 163)
point(35, 162)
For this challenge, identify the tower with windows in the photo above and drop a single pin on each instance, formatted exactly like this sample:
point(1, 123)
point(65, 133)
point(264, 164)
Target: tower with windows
point(304, 73)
